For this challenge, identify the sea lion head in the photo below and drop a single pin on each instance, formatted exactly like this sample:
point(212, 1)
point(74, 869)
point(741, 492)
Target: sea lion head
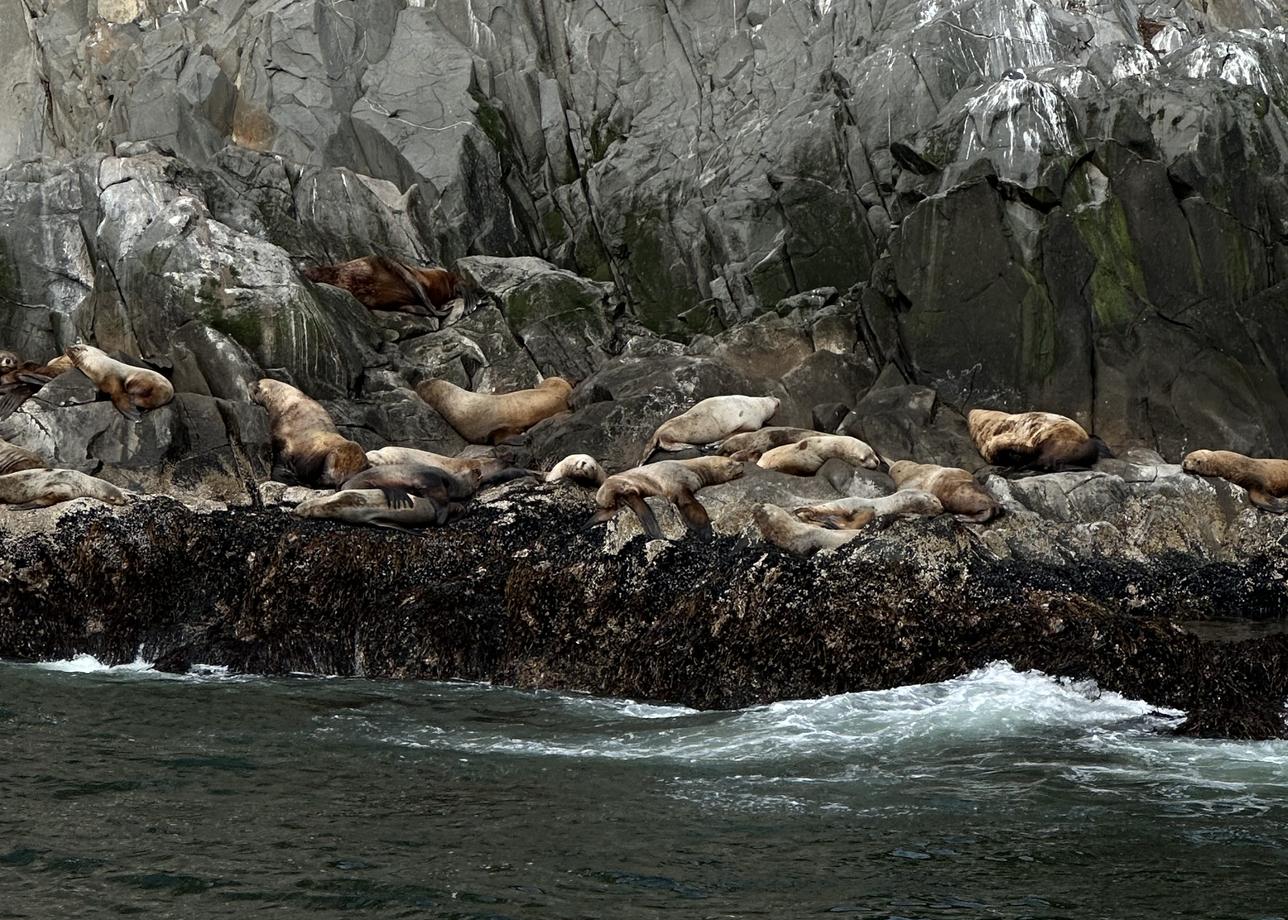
point(557, 384)
point(344, 461)
point(724, 469)
point(901, 468)
point(79, 353)
point(1205, 463)
point(8, 361)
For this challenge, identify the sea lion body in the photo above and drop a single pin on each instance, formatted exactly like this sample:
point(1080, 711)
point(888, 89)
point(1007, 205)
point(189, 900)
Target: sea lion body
point(677, 481)
point(582, 469)
point(482, 418)
point(713, 419)
point(132, 390)
point(1035, 440)
point(955, 488)
point(749, 445)
point(778, 527)
point(381, 283)
point(852, 513)
point(15, 459)
point(369, 507)
point(1265, 479)
point(305, 438)
point(461, 466)
point(804, 457)
point(400, 481)
point(42, 488)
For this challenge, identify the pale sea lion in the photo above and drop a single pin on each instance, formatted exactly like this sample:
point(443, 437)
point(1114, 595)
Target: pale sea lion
point(787, 533)
point(14, 459)
point(804, 457)
point(381, 283)
point(400, 481)
point(1265, 479)
point(676, 481)
point(490, 418)
point(582, 469)
point(1034, 440)
point(368, 506)
point(305, 438)
point(130, 388)
point(42, 488)
point(713, 419)
point(852, 513)
point(749, 445)
point(955, 488)
point(461, 466)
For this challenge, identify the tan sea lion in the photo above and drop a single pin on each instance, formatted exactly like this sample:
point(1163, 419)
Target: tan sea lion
point(749, 445)
point(955, 488)
point(461, 466)
point(852, 513)
point(14, 459)
point(381, 283)
point(1034, 440)
point(713, 419)
point(130, 388)
point(482, 418)
point(804, 457)
point(42, 488)
point(305, 439)
point(1266, 480)
point(787, 533)
point(676, 481)
point(582, 469)
point(369, 506)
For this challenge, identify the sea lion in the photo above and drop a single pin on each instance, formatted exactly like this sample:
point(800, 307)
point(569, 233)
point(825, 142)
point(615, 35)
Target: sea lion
point(673, 480)
point(1265, 480)
point(20, 380)
point(305, 439)
point(369, 506)
point(400, 481)
point(582, 469)
point(787, 533)
point(852, 513)
point(130, 388)
point(804, 457)
point(713, 419)
point(461, 466)
point(955, 488)
point(42, 488)
point(1034, 440)
point(381, 283)
point(14, 459)
point(482, 418)
point(749, 445)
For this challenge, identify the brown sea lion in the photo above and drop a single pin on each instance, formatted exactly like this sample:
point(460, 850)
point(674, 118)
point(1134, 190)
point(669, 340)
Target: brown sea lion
point(711, 420)
point(381, 283)
point(23, 379)
point(1034, 440)
point(400, 481)
point(305, 438)
point(582, 469)
point(14, 459)
point(804, 457)
point(369, 506)
point(42, 488)
point(787, 533)
point(749, 445)
point(130, 388)
point(676, 481)
point(852, 513)
point(1265, 480)
point(955, 488)
point(482, 418)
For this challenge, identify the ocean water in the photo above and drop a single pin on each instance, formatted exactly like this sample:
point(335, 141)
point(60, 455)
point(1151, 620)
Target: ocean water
point(999, 794)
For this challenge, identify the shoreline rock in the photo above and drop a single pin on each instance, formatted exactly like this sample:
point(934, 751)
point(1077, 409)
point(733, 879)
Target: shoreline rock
point(518, 592)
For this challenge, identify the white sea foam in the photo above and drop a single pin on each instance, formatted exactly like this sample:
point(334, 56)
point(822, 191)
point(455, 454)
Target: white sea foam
point(87, 664)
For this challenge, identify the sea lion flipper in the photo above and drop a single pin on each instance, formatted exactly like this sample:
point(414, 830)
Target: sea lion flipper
point(602, 516)
point(396, 497)
point(695, 516)
point(1267, 502)
point(35, 380)
point(123, 405)
point(645, 514)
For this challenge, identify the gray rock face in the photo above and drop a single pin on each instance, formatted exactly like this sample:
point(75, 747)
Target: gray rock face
point(1079, 207)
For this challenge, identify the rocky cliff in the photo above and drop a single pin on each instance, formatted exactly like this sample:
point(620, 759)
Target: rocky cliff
point(1079, 205)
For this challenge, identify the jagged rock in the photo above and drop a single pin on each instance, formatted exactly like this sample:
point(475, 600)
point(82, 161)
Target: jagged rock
point(910, 423)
